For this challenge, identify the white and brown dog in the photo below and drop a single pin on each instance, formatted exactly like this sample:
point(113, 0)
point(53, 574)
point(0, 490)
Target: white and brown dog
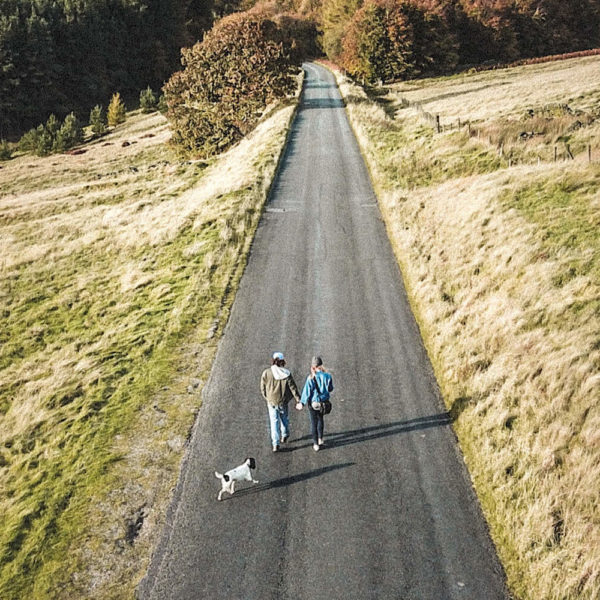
point(241, 473)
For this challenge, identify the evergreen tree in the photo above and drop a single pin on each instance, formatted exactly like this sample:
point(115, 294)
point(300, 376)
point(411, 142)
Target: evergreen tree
point(148, 101)
point(116, 111)
point(70, 134)
point(97, 121)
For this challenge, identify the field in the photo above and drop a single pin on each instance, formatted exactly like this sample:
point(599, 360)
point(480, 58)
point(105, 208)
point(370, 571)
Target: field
point(497, 237)
point(118, 268)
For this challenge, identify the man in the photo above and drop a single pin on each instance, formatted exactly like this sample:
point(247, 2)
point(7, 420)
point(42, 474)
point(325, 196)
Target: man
point(278, 387)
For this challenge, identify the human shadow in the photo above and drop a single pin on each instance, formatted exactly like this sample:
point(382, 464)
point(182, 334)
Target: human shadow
point(290, 480)
point(373, 432)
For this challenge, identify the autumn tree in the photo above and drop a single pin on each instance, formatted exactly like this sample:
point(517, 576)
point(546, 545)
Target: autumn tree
point(242, 65)
point(387, 40)
point(335, 17)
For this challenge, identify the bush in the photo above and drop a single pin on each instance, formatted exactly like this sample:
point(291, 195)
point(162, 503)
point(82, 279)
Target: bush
point(243, 64)
point(5, 150)
point(97, 121)
point(148, 101)
point(116, 111)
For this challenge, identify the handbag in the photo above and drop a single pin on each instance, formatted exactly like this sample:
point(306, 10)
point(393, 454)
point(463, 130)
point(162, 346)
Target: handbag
point(322, 406)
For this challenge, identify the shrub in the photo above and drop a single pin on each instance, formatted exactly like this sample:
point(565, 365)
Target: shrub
point(116, 111)
point(97, 121)
point(242, 65)
point(5, 150)
point(148, 101)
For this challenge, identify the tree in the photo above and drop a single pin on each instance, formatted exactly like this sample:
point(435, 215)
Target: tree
point(97, 121)
point(387, 40)
point(242, 65)
point(335, 16)
point(70, 134)
point(116, 112)
point(148, 101)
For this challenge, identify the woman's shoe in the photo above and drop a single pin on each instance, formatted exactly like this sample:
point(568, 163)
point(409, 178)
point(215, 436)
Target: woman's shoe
point(321, 442)
point(316, 447)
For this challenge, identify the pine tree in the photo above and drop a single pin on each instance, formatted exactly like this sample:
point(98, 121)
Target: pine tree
point(116, 110)
point(70, 134)
point(97, 121)
point(148, 102)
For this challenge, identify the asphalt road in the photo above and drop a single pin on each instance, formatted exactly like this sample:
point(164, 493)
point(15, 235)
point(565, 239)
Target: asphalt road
point(386, 509)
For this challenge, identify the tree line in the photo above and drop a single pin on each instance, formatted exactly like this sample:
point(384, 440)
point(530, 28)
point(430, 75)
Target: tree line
point(63, 56)
point(401, 39)
point(59, 56)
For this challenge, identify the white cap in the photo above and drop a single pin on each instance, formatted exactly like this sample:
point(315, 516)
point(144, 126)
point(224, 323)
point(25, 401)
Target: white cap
point(278, 356)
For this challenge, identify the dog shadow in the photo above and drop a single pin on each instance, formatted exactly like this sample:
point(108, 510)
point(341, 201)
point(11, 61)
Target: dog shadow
point(373, 432)
point(285, 481)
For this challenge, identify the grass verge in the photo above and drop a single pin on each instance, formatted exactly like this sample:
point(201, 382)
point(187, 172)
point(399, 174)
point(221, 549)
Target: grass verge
point(118, 269)
point(502, 264)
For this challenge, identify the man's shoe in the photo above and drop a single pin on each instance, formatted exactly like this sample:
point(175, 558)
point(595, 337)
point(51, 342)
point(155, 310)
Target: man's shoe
point(284, 439)
point(316, 447)
point(321, 442)
point(275, 448)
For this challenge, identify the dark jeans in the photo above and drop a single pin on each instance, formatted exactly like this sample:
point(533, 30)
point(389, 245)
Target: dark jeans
point(316, 424)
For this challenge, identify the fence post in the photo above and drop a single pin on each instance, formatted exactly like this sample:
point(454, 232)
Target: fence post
point(555, 153)
point(589, 153)
point(569, 152)
point(437, 123)
point(459, 122)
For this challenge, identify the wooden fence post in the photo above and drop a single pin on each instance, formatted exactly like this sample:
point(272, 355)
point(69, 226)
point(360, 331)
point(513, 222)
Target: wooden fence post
point(589, 153)
point(437, 123)
point(555, 153)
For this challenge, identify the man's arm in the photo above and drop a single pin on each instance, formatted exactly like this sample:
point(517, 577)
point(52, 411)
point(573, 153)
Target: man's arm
point(263, 385)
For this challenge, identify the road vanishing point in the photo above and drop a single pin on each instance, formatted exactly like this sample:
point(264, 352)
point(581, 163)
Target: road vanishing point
point(386, 510)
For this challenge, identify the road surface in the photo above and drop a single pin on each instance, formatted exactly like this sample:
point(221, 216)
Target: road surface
point(386, 509)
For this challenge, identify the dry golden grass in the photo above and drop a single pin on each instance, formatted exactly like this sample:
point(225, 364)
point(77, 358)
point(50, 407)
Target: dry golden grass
point(503, 270)
point(118, 267)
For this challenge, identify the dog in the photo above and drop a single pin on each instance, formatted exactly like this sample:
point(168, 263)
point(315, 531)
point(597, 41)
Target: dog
point(241, 473)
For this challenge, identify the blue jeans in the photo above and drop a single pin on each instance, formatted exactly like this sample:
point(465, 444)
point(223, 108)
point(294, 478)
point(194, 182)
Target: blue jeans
point(279, 423)
point(316, 424)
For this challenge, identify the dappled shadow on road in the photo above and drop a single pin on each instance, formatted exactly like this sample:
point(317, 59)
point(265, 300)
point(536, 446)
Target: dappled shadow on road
point(290, 480)
point(373, 432)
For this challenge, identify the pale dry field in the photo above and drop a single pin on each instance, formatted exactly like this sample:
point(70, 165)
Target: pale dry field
point(503, 270)
point(489, 95)
point(118, 268)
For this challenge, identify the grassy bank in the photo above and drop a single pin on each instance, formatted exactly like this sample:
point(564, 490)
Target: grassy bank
point(118, 268)
point(499, 247)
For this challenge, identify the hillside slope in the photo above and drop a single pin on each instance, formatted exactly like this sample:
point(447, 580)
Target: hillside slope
point(499, 246)
point(118, 269)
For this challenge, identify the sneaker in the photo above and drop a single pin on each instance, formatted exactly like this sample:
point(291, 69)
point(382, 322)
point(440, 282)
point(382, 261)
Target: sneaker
point(321, 442)
point(316, 447)
point(275, 448)
point(284, 439)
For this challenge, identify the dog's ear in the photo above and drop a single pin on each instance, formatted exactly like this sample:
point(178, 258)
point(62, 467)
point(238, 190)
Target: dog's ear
point(218, 475)
point(251, 463)
point(226, 477)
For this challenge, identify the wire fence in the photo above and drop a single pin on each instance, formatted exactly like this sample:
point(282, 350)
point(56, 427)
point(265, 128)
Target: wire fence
point(556, 152)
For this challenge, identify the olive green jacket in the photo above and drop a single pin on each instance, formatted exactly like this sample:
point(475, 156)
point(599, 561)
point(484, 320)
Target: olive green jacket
point(276, 391)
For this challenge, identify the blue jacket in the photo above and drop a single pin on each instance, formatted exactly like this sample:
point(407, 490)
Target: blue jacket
point(309, 393)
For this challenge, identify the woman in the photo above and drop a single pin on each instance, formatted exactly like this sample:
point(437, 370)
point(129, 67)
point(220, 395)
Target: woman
point(317, 388)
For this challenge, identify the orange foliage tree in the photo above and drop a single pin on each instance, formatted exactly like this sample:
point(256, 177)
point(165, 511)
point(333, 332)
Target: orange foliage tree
point(243, 64)
point(388, 40)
